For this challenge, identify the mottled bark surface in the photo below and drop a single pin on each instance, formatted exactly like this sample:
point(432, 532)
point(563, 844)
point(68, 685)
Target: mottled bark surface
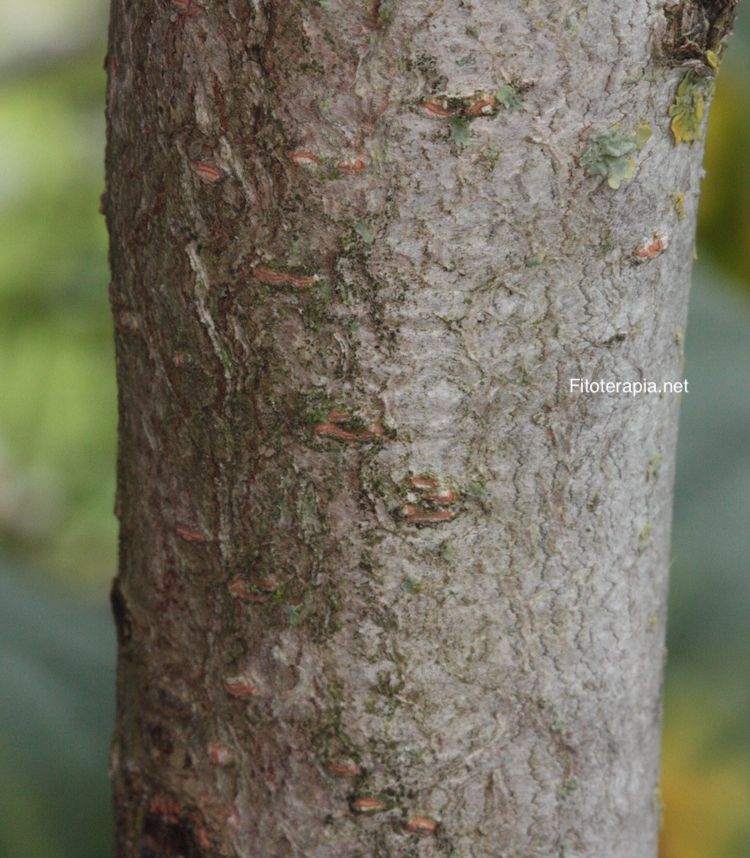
point(387, 587)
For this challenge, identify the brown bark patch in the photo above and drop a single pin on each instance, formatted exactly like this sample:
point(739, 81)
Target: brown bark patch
point(412, 515)
point(367, 805)
point(121, 614)
point(695, 26)
point(436, 109)
point(240, 589)
point(219, 755)
point(188, 534)
point(651, 248)
point(240, 688)
point(166, 833)
point(351, 165)
point(344, 769)
point(161, 739)
point(304, 158)
point(187, 7)
point(281, 278)
point(208, 171)
point(421, 825)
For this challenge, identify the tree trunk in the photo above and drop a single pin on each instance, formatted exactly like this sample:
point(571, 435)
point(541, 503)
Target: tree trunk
point(388, 587)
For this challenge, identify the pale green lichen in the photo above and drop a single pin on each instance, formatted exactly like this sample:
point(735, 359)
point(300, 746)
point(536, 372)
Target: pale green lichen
point(460, 130)
point(385, 17)
point(689, 106)
point(462, 110)
point(652, 472)
point(610, 154)
point(447, 552)
point(712, 59)
point(536, 260)
point(476, 492)
point(364, 232)
point(644, 537)
point(294, 615)
point(568, 788)
point(508, 96)
point(643, 134)
point(679, 205)
point(489, 158)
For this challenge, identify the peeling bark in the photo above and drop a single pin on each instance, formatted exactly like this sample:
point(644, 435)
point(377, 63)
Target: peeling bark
point(387, 588)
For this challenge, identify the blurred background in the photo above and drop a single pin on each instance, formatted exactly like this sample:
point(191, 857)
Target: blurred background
point(57, 454)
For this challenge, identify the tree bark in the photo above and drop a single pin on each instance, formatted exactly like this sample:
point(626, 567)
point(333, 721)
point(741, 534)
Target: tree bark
point(387, 586)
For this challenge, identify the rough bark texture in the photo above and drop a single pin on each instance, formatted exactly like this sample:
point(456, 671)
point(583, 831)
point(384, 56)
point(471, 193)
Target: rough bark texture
point(387, 588)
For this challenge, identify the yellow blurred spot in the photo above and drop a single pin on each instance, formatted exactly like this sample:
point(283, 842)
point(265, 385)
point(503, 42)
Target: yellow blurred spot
point(679, 205)
point(705, 792)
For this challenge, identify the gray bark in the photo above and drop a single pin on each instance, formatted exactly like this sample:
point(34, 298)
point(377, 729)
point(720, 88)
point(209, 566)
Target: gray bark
point(387, 588)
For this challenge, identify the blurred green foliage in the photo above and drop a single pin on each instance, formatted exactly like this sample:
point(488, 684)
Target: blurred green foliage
point(57, 409)
point(57, 454)
point(724, 214)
